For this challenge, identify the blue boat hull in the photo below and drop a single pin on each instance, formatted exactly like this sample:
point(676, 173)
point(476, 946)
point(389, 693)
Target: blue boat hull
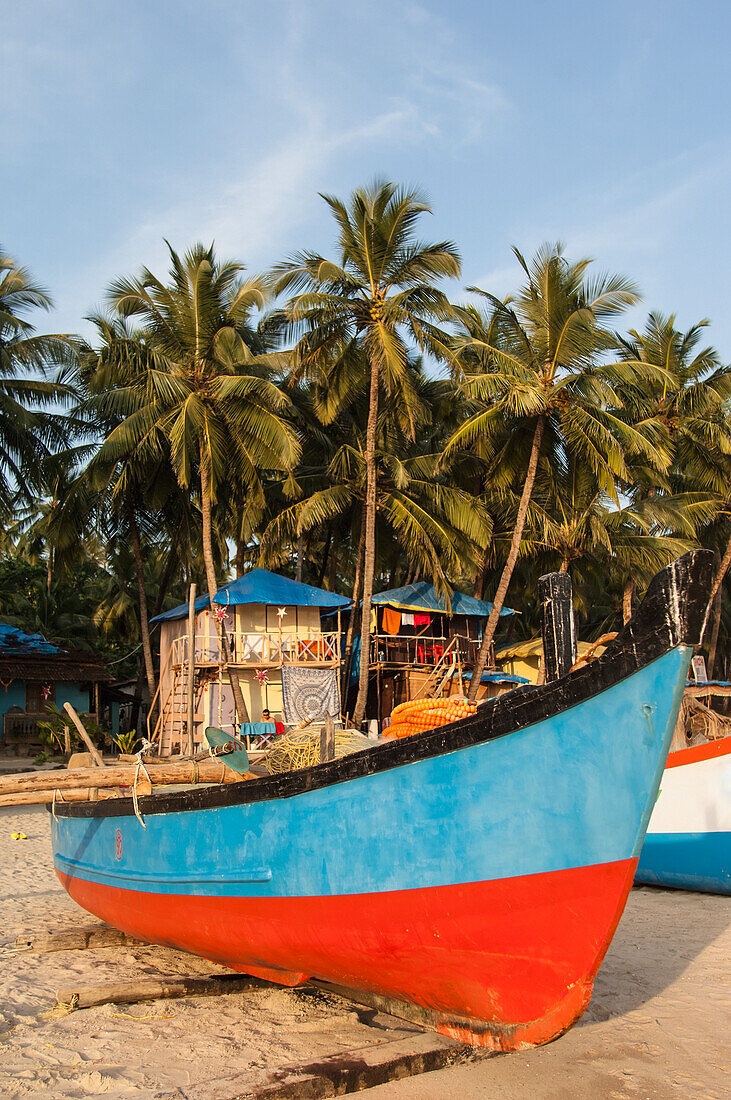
point(476, 871)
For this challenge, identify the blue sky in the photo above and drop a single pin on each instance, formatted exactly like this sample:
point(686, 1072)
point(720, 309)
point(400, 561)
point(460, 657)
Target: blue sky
point(605, 125)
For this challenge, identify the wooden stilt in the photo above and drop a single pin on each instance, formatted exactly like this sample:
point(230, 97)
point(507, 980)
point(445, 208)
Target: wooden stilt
point(190, 685)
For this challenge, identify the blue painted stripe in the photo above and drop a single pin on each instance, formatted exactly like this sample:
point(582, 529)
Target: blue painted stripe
point(575, 790)
point(109, 875)
point(687, 861)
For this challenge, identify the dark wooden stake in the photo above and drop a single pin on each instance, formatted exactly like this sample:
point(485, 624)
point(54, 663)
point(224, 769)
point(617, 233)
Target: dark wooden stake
point(557, 625)
point(327, 740)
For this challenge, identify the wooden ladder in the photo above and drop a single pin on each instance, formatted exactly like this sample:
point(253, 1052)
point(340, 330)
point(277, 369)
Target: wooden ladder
point(446, 666)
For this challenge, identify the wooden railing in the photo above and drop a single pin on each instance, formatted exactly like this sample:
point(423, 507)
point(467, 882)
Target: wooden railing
point(423, 650)
point(23, 728)
point(257, 648)
point(27, 722)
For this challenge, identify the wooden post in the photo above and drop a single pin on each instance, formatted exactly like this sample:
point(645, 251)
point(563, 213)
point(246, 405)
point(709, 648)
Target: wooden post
point(327, 740)
point(84, 735)
point(191, 667)
point(557, 625)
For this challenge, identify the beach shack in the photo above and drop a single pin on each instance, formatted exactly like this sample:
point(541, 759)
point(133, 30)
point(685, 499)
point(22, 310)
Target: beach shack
point(523, 659)
point(35, 673)
point(421, 646)
point(287, 657)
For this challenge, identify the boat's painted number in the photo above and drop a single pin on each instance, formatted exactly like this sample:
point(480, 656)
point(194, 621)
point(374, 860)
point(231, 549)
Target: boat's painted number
point(118, 844)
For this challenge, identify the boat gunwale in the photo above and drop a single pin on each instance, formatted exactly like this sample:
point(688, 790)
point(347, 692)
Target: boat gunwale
point(673, 613)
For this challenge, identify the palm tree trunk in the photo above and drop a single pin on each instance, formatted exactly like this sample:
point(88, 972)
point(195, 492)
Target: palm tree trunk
point(722, 570)
point(480, 579)
point(239, 704)
point(354, 613)
point(142, 596)
point(369, 550)
point(240, 559)
point(325, 558)
point(627, 596)
point(332, 570)
point(564, 566)
point(717, 608)
point(507, 573)
point(300, 556)
point(167, 576)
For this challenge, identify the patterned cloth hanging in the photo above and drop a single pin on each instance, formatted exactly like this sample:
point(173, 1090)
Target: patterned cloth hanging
point(308, 694)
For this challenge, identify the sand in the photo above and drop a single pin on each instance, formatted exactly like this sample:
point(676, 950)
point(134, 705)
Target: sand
point(157, 1049)
point(657, 1027)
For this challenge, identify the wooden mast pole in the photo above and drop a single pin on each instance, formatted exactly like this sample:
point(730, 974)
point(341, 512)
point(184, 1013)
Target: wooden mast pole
point(190, 685)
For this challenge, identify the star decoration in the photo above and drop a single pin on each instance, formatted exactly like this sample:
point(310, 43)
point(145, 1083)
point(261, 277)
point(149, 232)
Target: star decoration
point(281, 611)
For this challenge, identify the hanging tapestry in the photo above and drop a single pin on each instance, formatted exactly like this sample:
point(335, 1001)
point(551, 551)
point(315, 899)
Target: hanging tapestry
point(308, 694)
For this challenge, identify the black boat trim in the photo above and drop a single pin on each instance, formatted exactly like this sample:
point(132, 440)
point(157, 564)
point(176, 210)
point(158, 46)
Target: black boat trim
point(673, 612)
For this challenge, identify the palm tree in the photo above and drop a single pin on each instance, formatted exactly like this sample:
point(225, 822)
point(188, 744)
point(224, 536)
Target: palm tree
point(29, 432)
point(572, 522)
point(380, 295)
point(691, 402)
point(204, 397)
point(534, 364)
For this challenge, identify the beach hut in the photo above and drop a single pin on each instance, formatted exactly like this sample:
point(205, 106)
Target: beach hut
point(420, 644)
point(35, 673)
point(524, 658)
point(287, 657)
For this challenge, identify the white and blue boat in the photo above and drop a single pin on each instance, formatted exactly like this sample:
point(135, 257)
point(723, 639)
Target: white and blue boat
point(688, 842)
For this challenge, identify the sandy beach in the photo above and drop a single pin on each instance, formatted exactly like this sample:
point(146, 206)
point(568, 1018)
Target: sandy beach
point(657, 1027)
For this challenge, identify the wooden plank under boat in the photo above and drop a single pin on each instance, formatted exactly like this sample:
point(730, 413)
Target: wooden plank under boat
point(478, 870)
point(688, 842)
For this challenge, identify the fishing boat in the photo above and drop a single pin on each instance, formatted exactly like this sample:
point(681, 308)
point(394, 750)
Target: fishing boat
point(474, 873)
point(688, 842)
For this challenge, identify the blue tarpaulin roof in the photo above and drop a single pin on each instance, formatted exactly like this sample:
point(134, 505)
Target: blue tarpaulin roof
point(424, 597)
point(261, 586)
point(13, 640)
point(498, 678)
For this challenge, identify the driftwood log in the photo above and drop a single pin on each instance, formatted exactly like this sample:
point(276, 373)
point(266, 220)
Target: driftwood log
point(40, 798)
point(74, 939)
point(151, 989)
point(84, 735)
point(120, 775)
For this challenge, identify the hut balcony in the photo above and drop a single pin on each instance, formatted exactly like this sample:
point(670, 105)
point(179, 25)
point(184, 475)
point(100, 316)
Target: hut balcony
point(261, 649)
point(391, 651)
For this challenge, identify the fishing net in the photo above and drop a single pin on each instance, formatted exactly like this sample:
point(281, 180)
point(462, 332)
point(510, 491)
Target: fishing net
point(419, 715)
point(301, 750)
